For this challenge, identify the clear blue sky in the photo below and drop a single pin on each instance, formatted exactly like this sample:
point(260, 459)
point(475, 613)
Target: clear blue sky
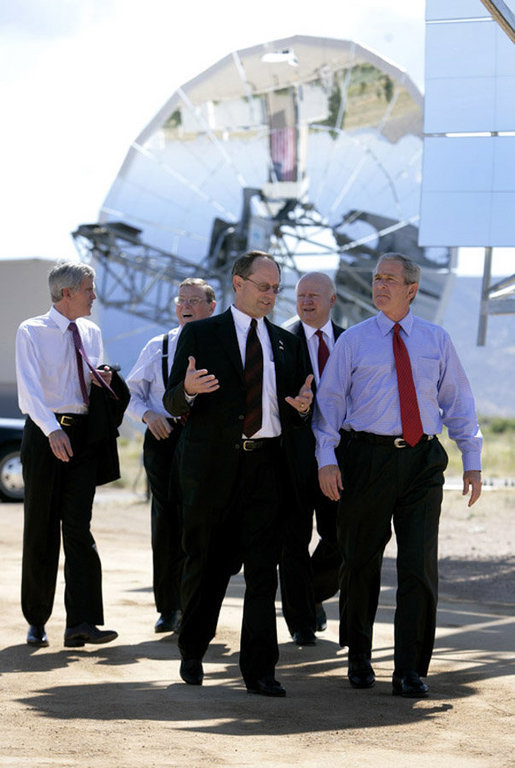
point(79, 79)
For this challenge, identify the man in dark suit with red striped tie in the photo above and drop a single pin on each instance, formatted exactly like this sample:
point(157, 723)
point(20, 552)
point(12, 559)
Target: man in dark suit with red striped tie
point(244, 385)
point(307, 581)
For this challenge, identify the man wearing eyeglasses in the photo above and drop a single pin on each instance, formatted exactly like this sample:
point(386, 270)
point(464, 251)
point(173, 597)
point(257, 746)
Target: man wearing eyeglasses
point(248, 399)
point(147, 381)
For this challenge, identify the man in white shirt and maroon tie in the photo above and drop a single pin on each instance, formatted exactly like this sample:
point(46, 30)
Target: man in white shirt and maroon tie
point(389, 385)
point(306, 581)
point(61, 457)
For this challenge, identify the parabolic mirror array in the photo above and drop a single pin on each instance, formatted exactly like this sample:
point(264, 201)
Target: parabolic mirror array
point(308, 148)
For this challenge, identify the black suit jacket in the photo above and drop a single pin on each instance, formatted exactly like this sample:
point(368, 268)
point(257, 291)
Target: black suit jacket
point(105, 416)
point(208, 450)
point(298, 329)
point(307, 444)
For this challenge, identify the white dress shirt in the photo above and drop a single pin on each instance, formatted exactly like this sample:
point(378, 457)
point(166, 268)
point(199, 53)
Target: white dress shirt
point(46, 367)
point(312, 342)
point(271, 424)
point(145, 380)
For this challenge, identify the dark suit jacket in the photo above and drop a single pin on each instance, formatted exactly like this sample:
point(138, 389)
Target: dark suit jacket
point(307, 444)
point(105, 416)
point(208, 451)
point(298, 329)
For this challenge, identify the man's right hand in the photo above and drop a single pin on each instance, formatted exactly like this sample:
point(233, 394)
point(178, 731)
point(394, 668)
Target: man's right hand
point(158, 424)
point(198, 382)
point(330, 480)
point(60, 445)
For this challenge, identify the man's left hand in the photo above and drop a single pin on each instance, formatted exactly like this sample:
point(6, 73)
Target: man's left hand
point(105, 373)
point(302, 403)
point(472, 482)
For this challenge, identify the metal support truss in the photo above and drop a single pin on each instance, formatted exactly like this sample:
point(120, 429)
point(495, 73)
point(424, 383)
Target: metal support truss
point(497, 299)
point(142, 280)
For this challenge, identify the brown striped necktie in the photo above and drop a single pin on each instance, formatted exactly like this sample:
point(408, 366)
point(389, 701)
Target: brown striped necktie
point(253, 376)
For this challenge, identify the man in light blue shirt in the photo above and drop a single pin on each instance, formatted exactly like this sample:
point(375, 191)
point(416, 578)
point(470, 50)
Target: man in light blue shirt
point(381, 477)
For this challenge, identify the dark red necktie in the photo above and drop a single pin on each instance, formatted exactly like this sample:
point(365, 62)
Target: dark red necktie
point(323, 352)
point(81, 355)
point(253, 376)
point(412, 429)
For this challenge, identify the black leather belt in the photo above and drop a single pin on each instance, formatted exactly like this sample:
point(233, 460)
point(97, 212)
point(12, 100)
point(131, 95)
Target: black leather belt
point(391, 440)
point(70, 419)
point(255, 445)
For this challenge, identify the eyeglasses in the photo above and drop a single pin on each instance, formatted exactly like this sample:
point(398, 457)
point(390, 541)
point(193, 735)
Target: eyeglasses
point(264, 287)
point(193, 301)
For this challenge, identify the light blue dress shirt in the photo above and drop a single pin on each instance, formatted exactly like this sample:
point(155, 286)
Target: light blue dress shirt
point(358, 389)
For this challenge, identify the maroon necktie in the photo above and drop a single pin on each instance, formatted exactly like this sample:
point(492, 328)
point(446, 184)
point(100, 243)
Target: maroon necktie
point(253, 376)
point(81, 355)
point(412, 429)
point(323, 352)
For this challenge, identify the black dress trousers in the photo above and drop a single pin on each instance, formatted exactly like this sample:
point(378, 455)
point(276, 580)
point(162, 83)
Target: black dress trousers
point(216, 541)
point(59, 496)
point(384, 484)
point(167, 554)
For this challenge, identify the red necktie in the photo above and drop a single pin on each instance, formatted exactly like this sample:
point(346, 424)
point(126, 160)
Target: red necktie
point(412, 429)
point(81, 355)
point(323, 352)
point(253, 376)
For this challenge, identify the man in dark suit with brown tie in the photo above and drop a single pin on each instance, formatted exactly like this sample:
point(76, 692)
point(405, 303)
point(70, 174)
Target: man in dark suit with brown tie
point(307, 581)
point(234, 474)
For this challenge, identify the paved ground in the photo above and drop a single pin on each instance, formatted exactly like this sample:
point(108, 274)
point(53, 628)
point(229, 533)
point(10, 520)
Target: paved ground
point(124, 704)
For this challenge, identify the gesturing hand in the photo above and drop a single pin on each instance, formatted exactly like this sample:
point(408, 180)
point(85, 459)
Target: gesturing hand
point(199, 381)
point(302, 402)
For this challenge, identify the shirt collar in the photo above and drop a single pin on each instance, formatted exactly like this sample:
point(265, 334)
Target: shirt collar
point(386, 325)
point(309, 331)
point(242, 321)
point(60, 320)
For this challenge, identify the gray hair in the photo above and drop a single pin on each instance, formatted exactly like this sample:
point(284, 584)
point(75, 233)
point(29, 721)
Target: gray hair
point(198, 281)
point(411, 270)
point(67, 274)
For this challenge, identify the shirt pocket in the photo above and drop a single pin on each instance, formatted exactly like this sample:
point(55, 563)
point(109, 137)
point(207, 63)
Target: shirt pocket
point(426, 374)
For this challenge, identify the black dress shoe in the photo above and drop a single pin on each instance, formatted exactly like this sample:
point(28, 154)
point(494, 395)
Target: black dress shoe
point(304, 637)
point(409, 685)
point(191, 671)
point(360, 674)
point(37, 636)
point(321, 617)
point(76, 637)
point(266, 686)
point(169, 622)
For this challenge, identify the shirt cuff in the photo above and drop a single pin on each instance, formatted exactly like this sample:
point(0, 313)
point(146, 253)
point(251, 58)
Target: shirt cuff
point(326, 456)
point(471, 461)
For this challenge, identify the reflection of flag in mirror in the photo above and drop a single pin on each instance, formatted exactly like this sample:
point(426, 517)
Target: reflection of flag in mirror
point(282, 118)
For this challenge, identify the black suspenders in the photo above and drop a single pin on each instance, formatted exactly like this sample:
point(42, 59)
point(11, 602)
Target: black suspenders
point(164, 358)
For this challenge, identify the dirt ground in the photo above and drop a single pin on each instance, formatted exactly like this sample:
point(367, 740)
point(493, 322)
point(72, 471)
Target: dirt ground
point(124, 704)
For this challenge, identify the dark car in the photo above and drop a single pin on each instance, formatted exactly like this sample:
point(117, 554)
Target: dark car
point(11, 479)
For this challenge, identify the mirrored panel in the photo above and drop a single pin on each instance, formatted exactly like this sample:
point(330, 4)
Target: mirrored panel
point(309, 148)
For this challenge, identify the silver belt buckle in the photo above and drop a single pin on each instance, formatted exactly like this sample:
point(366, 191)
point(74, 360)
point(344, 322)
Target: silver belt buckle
point(399, 442)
